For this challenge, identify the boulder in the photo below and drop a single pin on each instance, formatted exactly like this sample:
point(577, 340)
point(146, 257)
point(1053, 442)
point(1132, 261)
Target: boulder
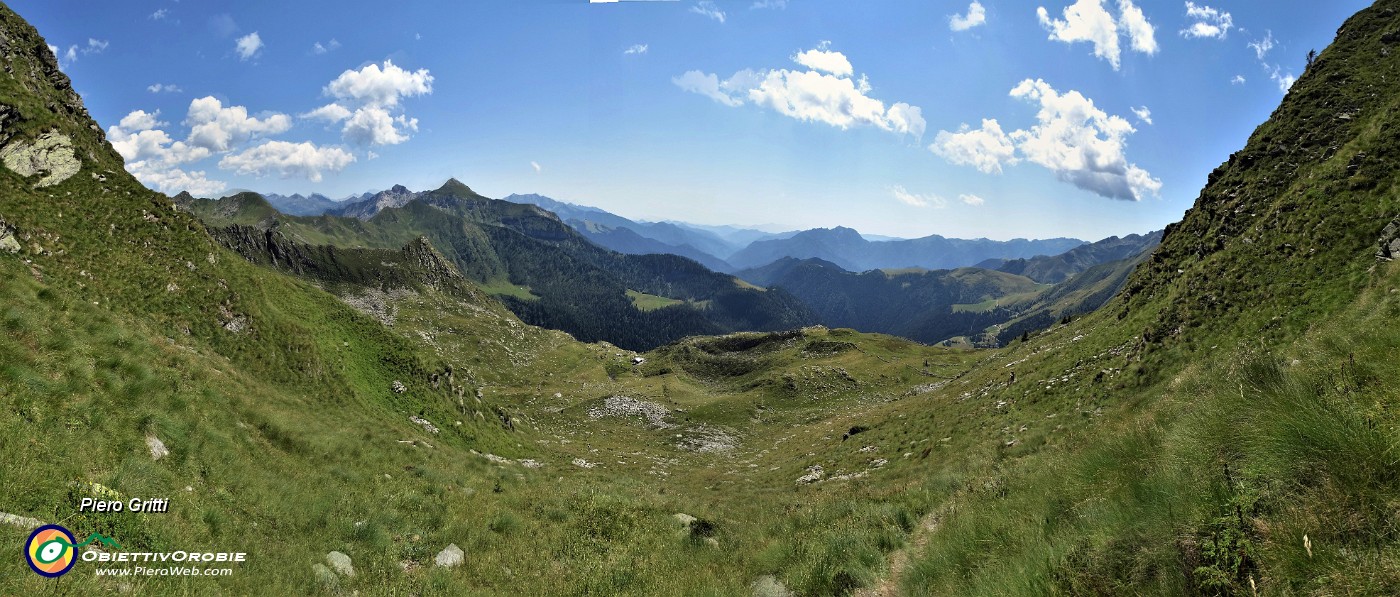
point(451, 557)
point(340, 563)
point(157, 447)
point(51, 154)
point(324, 575)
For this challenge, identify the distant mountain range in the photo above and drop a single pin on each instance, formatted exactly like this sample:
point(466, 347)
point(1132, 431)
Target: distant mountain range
point(851, 251)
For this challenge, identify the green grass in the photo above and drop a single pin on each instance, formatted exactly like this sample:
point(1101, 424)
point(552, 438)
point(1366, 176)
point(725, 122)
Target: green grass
point(650, 302)
point(503, 287)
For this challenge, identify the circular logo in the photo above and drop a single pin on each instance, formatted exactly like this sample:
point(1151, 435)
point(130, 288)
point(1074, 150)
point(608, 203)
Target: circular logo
point(50, 551)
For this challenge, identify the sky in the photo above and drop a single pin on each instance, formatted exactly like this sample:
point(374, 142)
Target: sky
point(994, 118)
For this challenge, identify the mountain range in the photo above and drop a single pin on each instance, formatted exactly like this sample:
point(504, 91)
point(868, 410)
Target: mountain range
point(366, 405)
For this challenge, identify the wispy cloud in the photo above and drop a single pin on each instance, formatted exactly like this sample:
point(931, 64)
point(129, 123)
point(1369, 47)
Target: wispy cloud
point(708, 9)
point(636, 49)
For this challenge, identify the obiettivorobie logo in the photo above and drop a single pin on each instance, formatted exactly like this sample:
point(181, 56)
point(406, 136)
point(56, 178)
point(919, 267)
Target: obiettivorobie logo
point(52, 550)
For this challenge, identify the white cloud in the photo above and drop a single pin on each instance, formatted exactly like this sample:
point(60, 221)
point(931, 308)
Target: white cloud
point(708, 8)
point(917, 200)
point(1143, 114)
point(159, 14)
point(248, 46)
point(810, 95)
point(319, 48)
point(821, 59)
point(71, 55)
point(707, 85)
point(371, 155)
point(1089, 21)
point(976, 15)
point(329, 113)
point(173, 180)
point(140, 120)
point(1080, 143)
point(536, 166)
point(636, 49)
point(217, 128)
point(1261, 47)
point(776, 4)
point(95, 46)
point(166, 88)
point(372, 125)
point(1285, 81)
point(986, 149)
point(1135, 25)
point(383, 87)
point(1207, 22)
point(288, 160)
point(1238, 80)
point(972, 200)
point(53, 49)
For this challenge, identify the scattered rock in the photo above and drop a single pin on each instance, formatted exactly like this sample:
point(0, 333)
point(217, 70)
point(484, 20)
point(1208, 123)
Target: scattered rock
point(814, 474)
point(340, 563)
point(622, 406)
point(158, 449)
point(427, 425)
point(398, 387)
point(51, 153)
point(1389, 242)
point(879, 462)
point(581, 463)
point(528, 463)
point(451, 557)
point(769, 586)
point(8, 242)
point(498, 459)
point(22, 522)
point(684, 519)
point(706, 439)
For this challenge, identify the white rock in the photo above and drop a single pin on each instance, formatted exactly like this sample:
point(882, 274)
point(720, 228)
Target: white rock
point(340, 563)
point(451, 557)
point(158, 449)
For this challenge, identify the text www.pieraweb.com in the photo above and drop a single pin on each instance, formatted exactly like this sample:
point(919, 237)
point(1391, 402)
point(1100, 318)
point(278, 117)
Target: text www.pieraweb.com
point(144, 571)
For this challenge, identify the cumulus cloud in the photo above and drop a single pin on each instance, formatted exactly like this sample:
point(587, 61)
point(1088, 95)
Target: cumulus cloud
point(636, 49)
point(826, 93)
point(330, 46)
point(1079, 142)
point(383, 87)
point(708, 85)
point(1143, 114)
point(972, 200)
point(1238, 80)
point(373, 125)
point(822, 59)
point(138, 140)
point(218, 128)
point(1207, 22)
point(707, 8)
point(173, 180)
point(166, 88)
point(976, 15)
point(328, 113)
point(1089, 21)
point(986, 149)
point(288, 160)
point(917, 199)
point(248, 46)
point(368, 99)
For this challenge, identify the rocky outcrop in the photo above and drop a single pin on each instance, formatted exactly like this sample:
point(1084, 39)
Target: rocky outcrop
point(8, 242)
point(51, 155)
point(1389, 242)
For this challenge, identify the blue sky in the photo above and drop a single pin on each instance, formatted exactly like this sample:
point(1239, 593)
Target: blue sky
point(996, 118)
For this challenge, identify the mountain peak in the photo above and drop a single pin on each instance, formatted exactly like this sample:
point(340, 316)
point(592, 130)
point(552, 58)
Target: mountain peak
point(455, 187)
point(399, 189)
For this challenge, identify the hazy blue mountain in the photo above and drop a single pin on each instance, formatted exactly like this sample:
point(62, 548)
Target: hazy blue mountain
point(314, 204)
point(626, 240)
point(1058, 268)
point(849, 250)
point(669, 237)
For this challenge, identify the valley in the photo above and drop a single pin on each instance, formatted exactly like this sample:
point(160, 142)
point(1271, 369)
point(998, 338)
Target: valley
point(434, 392)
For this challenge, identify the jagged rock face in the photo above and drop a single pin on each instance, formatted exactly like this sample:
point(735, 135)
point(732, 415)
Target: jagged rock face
point(398, 196)
point(51, 155)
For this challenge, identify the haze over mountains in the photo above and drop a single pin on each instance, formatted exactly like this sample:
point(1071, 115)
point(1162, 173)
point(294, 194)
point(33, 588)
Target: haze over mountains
point(350, 402)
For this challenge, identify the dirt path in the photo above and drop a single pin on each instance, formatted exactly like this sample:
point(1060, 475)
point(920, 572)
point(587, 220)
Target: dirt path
point(899, 560)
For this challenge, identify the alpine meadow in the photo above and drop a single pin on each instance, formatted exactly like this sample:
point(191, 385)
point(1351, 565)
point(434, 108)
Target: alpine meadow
point(426, 390)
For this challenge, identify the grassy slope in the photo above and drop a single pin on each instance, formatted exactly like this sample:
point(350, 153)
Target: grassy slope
point(1100, 469)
